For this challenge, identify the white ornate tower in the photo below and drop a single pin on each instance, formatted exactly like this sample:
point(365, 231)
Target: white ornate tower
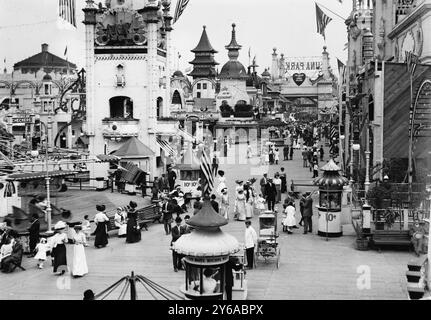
point(127, 77)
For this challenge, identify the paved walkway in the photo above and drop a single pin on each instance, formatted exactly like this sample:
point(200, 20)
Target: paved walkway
point(310, 266)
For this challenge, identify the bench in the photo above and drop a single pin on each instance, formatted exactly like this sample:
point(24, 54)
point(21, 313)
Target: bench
point(301, 183)
point(148, 214)
point(399, 238)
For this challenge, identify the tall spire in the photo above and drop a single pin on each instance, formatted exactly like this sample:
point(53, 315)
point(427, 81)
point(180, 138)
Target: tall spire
point(233, 47)
point(203, 63)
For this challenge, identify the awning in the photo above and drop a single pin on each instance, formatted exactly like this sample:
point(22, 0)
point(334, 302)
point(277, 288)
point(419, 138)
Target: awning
point(107, 157)
point(38, 175)
point(133, 149)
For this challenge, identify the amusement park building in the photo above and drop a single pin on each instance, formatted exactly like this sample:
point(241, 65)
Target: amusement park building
point(34, 88)
point(378, 103)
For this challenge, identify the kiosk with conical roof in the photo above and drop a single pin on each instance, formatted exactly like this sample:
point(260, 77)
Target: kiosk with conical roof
point(330, 189)
point(206, 249)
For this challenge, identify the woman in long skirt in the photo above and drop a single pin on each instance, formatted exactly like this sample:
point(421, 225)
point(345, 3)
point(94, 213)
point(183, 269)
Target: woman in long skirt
point(101, 220)
point(289, 221)
point(224, 208)
point(222, 182)
point(248, 203)
point(133, 230)
point(79, 266)
point(240, 206)
point(59, 248)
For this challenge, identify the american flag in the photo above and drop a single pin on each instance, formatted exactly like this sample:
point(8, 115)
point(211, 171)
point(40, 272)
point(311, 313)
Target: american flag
point(322, 21)
point(208, 173)
point(181, 5)
point(66, 11)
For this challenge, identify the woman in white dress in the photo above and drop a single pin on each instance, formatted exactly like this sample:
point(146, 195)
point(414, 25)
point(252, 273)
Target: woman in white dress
point(79, 266)
point(260, 204)
point(222, 182)
point(224, 208)
point(41, 249)
point(120, 220)
point(289, 221)
point(249, 200)
point(240, 211)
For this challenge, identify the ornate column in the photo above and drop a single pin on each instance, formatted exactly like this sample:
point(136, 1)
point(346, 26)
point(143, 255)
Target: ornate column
point(90, 22)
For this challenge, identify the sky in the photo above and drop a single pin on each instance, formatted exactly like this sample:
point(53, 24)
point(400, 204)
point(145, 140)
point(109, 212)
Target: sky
point(261, 25)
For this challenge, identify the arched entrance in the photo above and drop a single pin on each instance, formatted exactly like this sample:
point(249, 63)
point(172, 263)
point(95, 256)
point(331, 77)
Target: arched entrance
point(121, 107)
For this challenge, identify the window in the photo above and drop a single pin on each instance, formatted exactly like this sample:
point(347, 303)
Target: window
point(198, 86)
point(176, 98)
point(159, 106)
point(47, 89)
point(204, 86)
point(198, 94)
point(121, 107)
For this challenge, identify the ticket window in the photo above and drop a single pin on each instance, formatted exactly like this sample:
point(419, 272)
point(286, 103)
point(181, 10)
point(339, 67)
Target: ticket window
point(330, 199)
point(204, 280)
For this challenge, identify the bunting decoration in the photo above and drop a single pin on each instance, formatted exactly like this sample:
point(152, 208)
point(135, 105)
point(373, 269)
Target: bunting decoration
point(322, 21)
point(181, 5)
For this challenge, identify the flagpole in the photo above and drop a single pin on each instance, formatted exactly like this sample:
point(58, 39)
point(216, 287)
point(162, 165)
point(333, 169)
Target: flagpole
point(344, 19)
point(410, 167)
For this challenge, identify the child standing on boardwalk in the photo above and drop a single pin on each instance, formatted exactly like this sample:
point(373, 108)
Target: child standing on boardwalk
point(41, 249)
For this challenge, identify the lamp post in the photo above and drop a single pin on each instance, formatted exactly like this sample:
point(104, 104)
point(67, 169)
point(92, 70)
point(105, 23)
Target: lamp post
point(355, 147)
point(342, 137)
point(47, 178)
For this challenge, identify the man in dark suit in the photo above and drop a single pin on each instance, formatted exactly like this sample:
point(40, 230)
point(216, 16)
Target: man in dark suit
point(34, 230)
point(308, 213)
point(167, 215)
point(232, 264)
point(214, 203)
point(286, 152)
point(177, 232)
point(271, 193)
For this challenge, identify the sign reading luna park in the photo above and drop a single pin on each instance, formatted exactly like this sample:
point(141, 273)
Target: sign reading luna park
point(307, 65)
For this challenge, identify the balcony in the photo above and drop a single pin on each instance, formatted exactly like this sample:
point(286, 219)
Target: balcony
point(120, 127)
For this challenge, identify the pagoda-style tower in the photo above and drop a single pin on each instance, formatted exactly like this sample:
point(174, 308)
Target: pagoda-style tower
point(203, 63)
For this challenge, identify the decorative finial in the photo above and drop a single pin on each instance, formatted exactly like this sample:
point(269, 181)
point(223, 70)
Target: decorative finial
point(274, 49)
point(324, 48)
point(205, 27)
point(233, 25)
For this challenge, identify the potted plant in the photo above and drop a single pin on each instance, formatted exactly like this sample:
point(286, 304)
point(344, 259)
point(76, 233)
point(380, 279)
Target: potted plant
point(362, 241)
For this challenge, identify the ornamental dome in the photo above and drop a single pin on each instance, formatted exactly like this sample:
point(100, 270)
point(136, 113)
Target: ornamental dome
point(204, 243)
point(178, 74)
point(233, 70)
point(331, 177)
point(47, 77)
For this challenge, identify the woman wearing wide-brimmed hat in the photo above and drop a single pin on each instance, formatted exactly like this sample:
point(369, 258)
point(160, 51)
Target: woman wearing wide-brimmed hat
point(133, 229)
point(101, 220)
point(79, 266)
point(59, 248)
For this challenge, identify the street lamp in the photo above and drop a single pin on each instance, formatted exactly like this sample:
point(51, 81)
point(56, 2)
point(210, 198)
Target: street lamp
point(354, 147)
point(342, 137)
point(47, 178)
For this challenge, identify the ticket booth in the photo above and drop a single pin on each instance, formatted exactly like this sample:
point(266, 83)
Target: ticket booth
point(206, 252)
point(330, 198)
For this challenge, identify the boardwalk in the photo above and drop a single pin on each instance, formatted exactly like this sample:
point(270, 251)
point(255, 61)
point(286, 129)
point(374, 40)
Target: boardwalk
point(310, 267)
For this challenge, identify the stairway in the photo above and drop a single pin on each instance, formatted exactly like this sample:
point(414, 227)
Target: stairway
point(416, 277)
